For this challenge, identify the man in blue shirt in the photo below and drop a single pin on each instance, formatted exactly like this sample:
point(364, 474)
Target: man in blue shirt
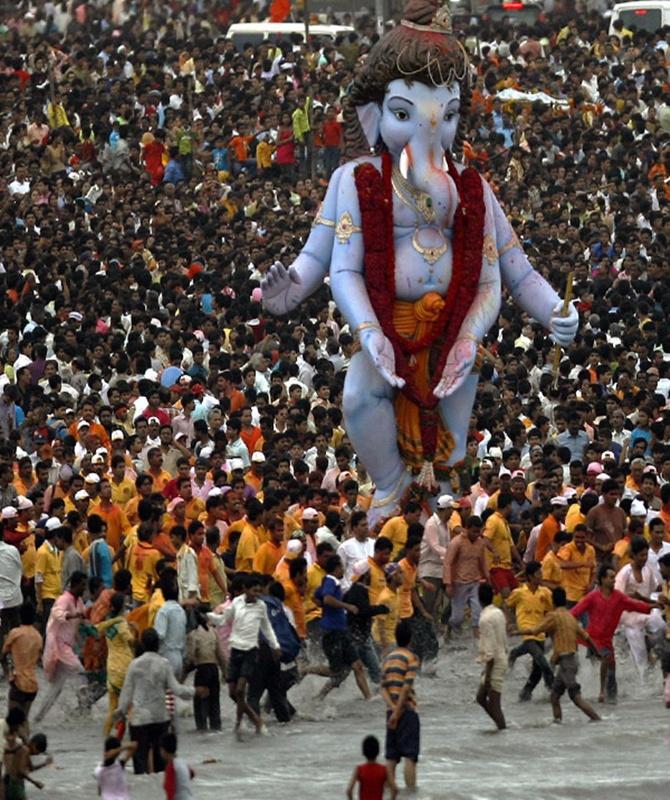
point(575, 438)
point(337, 643)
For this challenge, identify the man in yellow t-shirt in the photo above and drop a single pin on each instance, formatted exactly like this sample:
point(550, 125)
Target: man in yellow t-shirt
point(552, 574)
point(378, 562)
point(316, 572)
point(578, 564)
point(395, 528)
point(531, 602)
point(142, 560)
point(250, 538)
point(48, 564)
point(384, 625)
point(502, 552)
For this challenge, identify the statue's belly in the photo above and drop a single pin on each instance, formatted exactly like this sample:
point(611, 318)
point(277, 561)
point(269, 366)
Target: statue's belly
point(422, 263)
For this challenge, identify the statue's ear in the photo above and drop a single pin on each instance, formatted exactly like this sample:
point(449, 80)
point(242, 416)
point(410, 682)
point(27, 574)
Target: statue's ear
point(369, 117)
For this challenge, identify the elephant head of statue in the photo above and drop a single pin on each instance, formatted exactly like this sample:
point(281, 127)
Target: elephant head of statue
point(412, 94)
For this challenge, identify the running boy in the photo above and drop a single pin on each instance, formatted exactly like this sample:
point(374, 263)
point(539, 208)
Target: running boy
point(564, 631)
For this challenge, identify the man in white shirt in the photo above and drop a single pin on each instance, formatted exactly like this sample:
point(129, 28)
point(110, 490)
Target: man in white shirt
point(358, 548)
point(249, 617)
point(433, 549)
point(11, 570)
point(493, 655)
point(638, 581)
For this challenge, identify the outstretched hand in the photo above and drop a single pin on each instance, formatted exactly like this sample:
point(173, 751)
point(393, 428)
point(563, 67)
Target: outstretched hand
point(459, 364)
point(276, 285)
point(563, 329)
point(380, 350)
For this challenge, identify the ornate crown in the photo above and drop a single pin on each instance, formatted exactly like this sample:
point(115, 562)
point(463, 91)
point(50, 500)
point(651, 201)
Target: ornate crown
point(440, 23)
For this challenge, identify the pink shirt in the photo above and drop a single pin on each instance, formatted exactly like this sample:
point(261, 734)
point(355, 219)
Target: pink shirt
point(62, 634)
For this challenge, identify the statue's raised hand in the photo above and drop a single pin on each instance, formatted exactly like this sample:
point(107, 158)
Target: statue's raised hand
point(563, 329)
point(276, 287)
point(459, 364)
point(380, 350)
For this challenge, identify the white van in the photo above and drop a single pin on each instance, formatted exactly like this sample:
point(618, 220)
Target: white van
point(243, 33)
point(645, 15)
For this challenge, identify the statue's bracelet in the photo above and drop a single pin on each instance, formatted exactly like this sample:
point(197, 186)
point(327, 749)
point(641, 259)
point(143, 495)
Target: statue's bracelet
point(365, 326)
point(470, 336)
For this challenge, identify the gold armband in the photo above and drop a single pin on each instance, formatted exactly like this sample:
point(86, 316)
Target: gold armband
point(345, 228)
point(319, 220)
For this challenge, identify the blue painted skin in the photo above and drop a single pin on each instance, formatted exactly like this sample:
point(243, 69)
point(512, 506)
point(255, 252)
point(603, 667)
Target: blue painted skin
point(418, 125)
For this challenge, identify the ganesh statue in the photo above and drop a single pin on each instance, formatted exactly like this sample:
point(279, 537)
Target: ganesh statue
point(416, 249)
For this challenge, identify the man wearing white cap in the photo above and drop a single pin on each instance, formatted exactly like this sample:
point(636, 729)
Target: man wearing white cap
point(11, 572)
point(552, 524)
point(433, 549)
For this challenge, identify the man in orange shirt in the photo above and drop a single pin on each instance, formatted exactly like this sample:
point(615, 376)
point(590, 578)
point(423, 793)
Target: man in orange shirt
point(294, 589)
point(551, 526)
point(160, 476)
point(410, 607)
point(194, 505)
point(268, 554)
point(206, 565)
point(144, 485)
point(249, 433)
point(117, 522)
point(87, 416)
point(254, 476)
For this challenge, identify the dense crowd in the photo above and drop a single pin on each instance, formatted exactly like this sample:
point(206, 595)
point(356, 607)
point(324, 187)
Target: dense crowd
point(166, 447)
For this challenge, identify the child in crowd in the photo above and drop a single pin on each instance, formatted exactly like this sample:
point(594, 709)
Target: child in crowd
point(111, 774)
point(371, 777)
point(178, 774)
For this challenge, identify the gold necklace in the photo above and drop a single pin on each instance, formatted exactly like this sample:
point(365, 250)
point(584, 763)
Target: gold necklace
point(419, 201)
point(429, 254)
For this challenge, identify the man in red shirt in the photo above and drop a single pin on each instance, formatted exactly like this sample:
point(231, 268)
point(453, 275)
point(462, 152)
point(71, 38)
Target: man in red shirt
point(332, 140)
point(604, 606)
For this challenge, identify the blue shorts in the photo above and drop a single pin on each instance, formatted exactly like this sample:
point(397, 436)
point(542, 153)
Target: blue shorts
point(404, 741)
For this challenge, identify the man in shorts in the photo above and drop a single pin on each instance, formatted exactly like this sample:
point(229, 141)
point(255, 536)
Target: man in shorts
point(338, 646)
point(249, 617)
point(403, 728)
point(564, 631)
point(493, 655)
point(503, 552)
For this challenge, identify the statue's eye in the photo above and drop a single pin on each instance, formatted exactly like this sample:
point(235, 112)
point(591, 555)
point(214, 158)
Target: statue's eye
point(450, 115)
point(401, 114)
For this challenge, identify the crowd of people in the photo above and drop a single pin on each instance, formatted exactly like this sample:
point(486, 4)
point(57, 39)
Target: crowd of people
point(177, 490)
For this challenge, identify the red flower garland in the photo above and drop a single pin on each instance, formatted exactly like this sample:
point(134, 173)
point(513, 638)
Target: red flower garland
point(375, 198)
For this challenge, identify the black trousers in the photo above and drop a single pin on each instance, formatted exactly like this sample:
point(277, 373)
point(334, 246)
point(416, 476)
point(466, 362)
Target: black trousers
point(269, 676)
point(148, 755)
point(541, 668)
point(207, 708)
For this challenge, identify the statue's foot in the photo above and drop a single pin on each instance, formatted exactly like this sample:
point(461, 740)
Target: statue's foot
point(386, 502)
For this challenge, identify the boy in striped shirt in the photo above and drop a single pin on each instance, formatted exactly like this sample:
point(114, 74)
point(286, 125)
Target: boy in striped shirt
point(402, 719)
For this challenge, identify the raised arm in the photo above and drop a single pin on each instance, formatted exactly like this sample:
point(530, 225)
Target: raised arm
point(528, 288)
point(285, 289)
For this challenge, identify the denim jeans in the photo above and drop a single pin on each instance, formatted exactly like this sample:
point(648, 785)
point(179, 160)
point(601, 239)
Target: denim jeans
point(465, 594)
point(367, 652)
